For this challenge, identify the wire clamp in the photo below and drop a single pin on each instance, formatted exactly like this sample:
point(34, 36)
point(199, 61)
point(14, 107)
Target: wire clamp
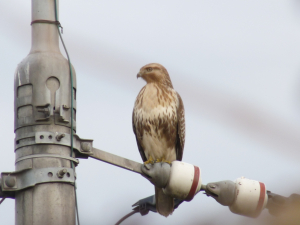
point(49, 22)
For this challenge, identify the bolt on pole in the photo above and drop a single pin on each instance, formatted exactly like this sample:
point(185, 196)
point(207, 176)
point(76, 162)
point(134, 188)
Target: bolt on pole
point(42, 118)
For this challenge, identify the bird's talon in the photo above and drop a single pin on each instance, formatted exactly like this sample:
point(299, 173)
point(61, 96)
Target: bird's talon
point(149, 161)
point(165, 161)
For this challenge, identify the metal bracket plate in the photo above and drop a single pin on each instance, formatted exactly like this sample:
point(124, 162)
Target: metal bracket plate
point(47, 156)
point(19, 180)
point(83, 146)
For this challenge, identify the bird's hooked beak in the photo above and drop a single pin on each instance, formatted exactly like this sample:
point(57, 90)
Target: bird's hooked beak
point(138, 75)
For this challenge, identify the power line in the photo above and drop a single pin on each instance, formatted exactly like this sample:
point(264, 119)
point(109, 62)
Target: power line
point(135, 210)
point(2, 200)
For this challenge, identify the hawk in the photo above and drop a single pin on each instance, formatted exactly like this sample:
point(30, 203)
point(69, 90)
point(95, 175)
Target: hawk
point(159, 124)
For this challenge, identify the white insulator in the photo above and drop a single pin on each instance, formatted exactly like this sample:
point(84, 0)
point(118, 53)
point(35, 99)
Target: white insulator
point(184, 181)
point(251, 197)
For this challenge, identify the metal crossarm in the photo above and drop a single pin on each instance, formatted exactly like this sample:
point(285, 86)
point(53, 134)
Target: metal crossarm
point(116, 160)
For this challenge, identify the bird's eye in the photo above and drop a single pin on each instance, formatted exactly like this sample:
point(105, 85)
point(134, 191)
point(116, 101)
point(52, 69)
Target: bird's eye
point(149, 69)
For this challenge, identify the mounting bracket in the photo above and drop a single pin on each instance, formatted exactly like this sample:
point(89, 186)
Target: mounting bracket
point(84, 147)
point(21, 179)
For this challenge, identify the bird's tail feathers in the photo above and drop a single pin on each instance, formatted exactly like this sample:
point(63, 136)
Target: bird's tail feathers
point(164, 203)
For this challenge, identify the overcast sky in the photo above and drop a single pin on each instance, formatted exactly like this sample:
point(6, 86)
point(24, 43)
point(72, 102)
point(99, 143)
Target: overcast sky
point(236, 65)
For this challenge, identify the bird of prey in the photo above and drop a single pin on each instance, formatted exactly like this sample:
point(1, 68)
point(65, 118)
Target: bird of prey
point(159, 124)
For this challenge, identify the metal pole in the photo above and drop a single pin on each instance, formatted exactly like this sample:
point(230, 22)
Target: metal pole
point(42, 115)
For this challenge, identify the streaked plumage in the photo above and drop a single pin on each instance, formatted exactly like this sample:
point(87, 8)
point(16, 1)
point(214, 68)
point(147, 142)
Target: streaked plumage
point(159, 124)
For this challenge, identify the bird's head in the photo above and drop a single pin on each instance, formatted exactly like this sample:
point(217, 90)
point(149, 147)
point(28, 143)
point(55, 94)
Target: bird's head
point(155, 73)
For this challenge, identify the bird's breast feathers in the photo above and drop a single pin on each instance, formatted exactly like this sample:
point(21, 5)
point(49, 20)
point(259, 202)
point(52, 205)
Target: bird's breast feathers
point(155, 119)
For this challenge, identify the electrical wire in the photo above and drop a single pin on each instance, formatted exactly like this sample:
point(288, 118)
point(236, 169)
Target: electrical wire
point(126, 216)
point(2, 200)
point(72, 98)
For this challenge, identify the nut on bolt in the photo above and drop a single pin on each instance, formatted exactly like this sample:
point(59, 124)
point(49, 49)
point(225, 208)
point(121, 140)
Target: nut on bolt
point(66, 107)
point(60, 136)
point(10, 181)
point(61, 173)
point(85, 146)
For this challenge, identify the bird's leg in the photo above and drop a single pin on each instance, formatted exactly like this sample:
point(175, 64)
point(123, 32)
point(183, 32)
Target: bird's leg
point(150, 160)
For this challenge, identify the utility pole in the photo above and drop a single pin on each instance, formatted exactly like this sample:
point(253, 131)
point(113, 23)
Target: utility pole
point(43, 183)
point(45, 179)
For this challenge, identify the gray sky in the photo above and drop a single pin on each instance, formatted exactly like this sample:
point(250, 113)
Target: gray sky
point(236, 65)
